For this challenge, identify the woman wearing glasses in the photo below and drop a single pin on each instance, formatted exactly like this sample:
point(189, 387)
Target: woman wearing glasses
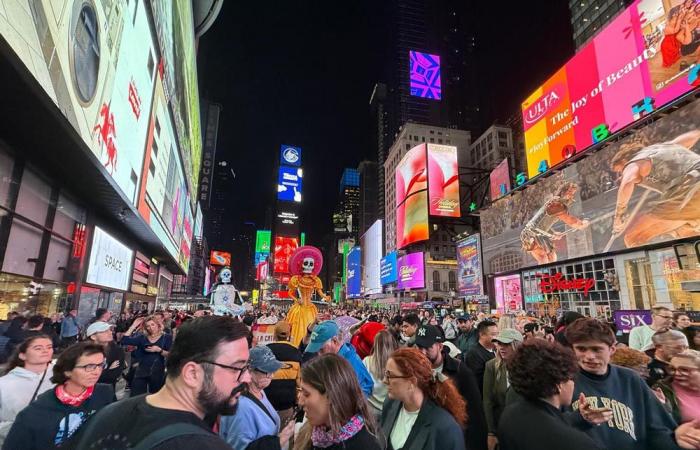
point(682, 388)
point(57, 414)
point(423, 410)
point(152, 348)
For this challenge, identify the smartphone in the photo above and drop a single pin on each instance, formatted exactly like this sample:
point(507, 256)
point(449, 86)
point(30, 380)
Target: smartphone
point(293, 417)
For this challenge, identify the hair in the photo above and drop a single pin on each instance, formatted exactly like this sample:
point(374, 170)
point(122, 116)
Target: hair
point(657, 309)
point(690, 333)
point(415, 364)
point(15, 360)
point(552, 362)
point(69, 358)
point(412, 319)
point(100, 312)
point(629, 357)
point(678, 314)
point(506, 321)
point(384, 345)
point(35, 321)
point(664, 337)
point(589, 329)
point(484, 325)
point(152, 318)
point(199, 339)
point(568, 318)
point(691, 355)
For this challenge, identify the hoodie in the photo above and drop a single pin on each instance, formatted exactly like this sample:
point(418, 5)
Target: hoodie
point(16, 391)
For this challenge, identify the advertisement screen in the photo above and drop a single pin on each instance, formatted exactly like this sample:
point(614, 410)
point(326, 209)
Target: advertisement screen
point(290, 155)
point(110, 262)
point(412, 197)
point(646, 57)
point(284, 247)
point(354, 273)
point(371, 244)
point(470, 279)
point(411, 271)
point(287, 222)
point(640, 190)
point(425, 75)
point(443, 180)
point(500, 180)
point(389, 269)
point(289, 184)
point(509, 293)
point(220, 258)
point(262, 241)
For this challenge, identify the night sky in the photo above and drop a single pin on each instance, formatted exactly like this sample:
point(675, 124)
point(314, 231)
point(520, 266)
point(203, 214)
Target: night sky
point(302, 72)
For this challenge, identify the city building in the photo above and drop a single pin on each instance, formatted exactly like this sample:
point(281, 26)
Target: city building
point(367, 210)
point(219, 235)
point(349, 199)
point(492, 147)
point(381, 130)
point(588, 17)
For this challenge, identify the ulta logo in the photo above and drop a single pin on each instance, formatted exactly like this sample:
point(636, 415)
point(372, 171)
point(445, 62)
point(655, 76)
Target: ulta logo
point(541, 107)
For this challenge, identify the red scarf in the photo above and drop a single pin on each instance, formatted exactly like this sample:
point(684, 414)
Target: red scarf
point(72, 400)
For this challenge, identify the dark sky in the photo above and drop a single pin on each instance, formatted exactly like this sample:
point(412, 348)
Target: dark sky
point(301, 73)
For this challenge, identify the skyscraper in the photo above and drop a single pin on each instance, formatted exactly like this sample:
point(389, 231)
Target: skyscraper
point(368, 194)
point(218, 236)
point(588, 17)
point(349, 201)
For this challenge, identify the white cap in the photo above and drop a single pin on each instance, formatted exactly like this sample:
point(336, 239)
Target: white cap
point(97, 327)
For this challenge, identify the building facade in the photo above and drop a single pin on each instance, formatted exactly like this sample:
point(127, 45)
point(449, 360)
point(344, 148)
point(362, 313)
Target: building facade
point(367, 210)
point(588, 17)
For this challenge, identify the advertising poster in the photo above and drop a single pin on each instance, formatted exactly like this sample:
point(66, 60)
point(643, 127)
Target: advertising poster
point(220, 258)
point(425, 75)
point(284, 247)
point(443, 180)
point(289, 184)
point(626, 319)
point(110, 262)
point(412, 198)
point(262, 241)
point(645, 58)
point(371, 244)
point(290, 155)
point(499, 180)
point(509, 293)
point(389, 269)
point(354, 273)
point(470, 279)
point(411, 271)
point(263, 334)
point(586, 209)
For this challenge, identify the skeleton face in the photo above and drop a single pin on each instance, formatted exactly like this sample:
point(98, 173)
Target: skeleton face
point(307, 266)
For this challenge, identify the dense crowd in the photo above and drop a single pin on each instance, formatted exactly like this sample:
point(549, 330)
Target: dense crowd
point(360, 379)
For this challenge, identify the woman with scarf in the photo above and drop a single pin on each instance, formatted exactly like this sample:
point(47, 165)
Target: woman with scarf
point(56, 415)
point(336, 411)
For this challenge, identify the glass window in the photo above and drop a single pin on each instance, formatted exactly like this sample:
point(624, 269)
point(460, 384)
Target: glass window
point(67, 215)
point(22, 249)
point(6, 166)
point(452, 276)
point(34, 196)
point(57, 259)
point(436, 280)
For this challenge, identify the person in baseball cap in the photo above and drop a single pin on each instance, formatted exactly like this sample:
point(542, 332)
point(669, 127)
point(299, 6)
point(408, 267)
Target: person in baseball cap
point(98, 327)
point(282, 330)
point(508, 336)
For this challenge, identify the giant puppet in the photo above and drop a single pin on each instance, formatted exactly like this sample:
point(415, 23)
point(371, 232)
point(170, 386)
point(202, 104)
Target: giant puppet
point(305, 265)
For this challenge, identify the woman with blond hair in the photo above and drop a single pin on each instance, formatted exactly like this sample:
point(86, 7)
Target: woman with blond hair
point(384, 345)
point(424, 410)
point(148, 359)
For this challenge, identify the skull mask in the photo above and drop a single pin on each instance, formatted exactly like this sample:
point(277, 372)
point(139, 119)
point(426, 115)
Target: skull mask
point(307, 266)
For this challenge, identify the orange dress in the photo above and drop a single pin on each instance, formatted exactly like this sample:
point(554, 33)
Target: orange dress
point(303, 312)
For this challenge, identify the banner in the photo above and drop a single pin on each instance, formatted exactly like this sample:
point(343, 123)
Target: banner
point(626, 319)
point(412, 198)
point(500, 180)
point(469, 275)
point(443, 180)
point(263, 334)
point(354, 273)
point(411, 271)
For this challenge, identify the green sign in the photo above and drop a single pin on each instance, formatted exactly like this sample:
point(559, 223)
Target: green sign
point(262, 241)
point(303, 239)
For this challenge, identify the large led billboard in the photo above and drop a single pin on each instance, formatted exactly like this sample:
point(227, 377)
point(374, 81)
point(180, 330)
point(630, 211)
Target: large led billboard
point(509, 293)
point(443, 180)
point(354, 273)
point(289, 184)
point(371, 244)
point(499, 180)
point(262, 241)
point(290, 155)
point(425, 75)
point(470, 278)
point(411, 271)
point(638, 62)
point(220, 258)
point(284, 247)
point(287, 222)
point(412, 197)
point(388, 269)
point(640, 190)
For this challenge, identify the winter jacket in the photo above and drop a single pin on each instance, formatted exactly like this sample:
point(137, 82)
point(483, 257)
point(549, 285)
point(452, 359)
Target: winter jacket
point(16, 391)
point(69, 326)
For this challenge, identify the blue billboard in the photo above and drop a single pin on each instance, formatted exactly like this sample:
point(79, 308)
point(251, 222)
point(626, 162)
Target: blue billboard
point(354, 273)
point(290, 155)
point(387, 269)
point(289, 184)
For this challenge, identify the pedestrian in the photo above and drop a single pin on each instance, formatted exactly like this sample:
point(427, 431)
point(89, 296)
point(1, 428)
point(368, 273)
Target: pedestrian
point(467, 337)
point(632, 359)
point(661, 320)
point(409, 326)
point(693, 335)
point(682, 388)
point(70, 328)
point(256, 425)
point(148, 359)
point(567, 319)
point(424, 410)
point(497, 388)
point(681, 320)
point(536, 422)
point(337, 414)
point(207, 373)
point(101, 333)
point(450, 327)
point(384, 345)
point(667, 344)
point(483, 351)
point(24, 379)
point(282, 391)
point(57, 414)
point(363, 339)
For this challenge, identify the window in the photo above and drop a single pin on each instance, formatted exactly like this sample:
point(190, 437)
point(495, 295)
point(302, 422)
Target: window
point(408, 146)
point(452, 277)
point(439, 141)
point(502, 135)
point(436, 280)
point(432, 140)
point(423, 138)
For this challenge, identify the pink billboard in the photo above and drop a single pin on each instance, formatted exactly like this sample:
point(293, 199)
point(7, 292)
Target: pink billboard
point(509, 293)
point(645, 58)
point(411, 271)
point(443, 180)
point(500, 180)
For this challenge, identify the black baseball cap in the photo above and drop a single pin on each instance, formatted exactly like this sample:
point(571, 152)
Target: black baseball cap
point(427, 335)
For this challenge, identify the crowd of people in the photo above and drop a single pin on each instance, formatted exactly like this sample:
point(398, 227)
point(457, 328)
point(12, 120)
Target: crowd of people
point(380, 381)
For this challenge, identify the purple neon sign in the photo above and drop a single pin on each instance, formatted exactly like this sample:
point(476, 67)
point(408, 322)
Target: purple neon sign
point(425, 75)
point(411, 271)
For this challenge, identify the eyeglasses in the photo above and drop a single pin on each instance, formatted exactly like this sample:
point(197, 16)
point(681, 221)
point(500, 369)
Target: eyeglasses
point(92, 367)
point(263, 373)
point(664, 317)
point(241, 370)
point(390, 376)
point(682, 370)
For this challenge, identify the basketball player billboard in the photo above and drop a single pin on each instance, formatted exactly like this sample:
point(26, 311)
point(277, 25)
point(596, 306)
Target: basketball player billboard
point(640, 190)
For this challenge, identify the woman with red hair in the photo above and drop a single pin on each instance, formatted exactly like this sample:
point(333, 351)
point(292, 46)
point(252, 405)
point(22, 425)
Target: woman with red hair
point(424, 410)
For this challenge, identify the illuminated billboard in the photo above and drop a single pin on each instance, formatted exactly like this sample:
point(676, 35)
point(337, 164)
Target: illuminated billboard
point(425, 75)
point(371, 244)
point(443, 180)
point(500, 180)
point(633, 66)
point(290, 155)
point(411, 271)
point(289, 184)
point(220, 258)
point(284, 247)
point(388, 270)
point(509, 293)
point(582, 210)
point(287, 222)
point(262, 241)
point(354, 273)
point(412, 198)
point(470, 279)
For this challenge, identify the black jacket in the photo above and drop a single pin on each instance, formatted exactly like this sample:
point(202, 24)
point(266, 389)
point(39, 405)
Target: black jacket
point(537, 425)
point(434, 429)
point(476, 359)
point(476, 431)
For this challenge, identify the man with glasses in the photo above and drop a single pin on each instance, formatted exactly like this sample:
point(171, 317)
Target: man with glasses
point(667, 344)
point(661, 320)
point(207, 372)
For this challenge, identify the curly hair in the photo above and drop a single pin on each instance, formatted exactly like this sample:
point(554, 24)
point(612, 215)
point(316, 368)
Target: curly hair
point(629, 357)
point(589, 329)
point(539, 367)
point(415, 364)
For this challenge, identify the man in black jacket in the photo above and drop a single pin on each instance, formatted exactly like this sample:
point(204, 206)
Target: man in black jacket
point(484, 351)
point(429, 340)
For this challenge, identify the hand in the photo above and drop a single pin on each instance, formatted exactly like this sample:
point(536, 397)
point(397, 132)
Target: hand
point(114, 365)
point(592, 415)
point(659, 395)
point(619, 224)
point(154, 349)
point(492, 442)
point(286, 433)
point(688, 435)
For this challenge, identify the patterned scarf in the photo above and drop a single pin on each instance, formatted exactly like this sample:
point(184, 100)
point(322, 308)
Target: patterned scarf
point(323, 437)
point(72, 400)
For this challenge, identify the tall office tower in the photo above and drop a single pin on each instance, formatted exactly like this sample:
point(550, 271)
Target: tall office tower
point(588, 17)
point(368, 213)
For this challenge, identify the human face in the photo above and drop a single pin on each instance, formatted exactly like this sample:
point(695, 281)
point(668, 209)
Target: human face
point(434, 353)
point(673, 348)
point(433, 321)
point(103, 337)
point(315, 404)
point(259, 379)
point(464, 325)
point(219, 392)
point(408, 329)
point(489, 334)
point(685, 373)
point(40, 351)
point(331, 346)
point(566, 393)
point(398, 384)
point(152, 327)
point(505, 351)
point(663, 320)
point(683, 322)
point(87, 370)
point(106, 316)
point(594, 356)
